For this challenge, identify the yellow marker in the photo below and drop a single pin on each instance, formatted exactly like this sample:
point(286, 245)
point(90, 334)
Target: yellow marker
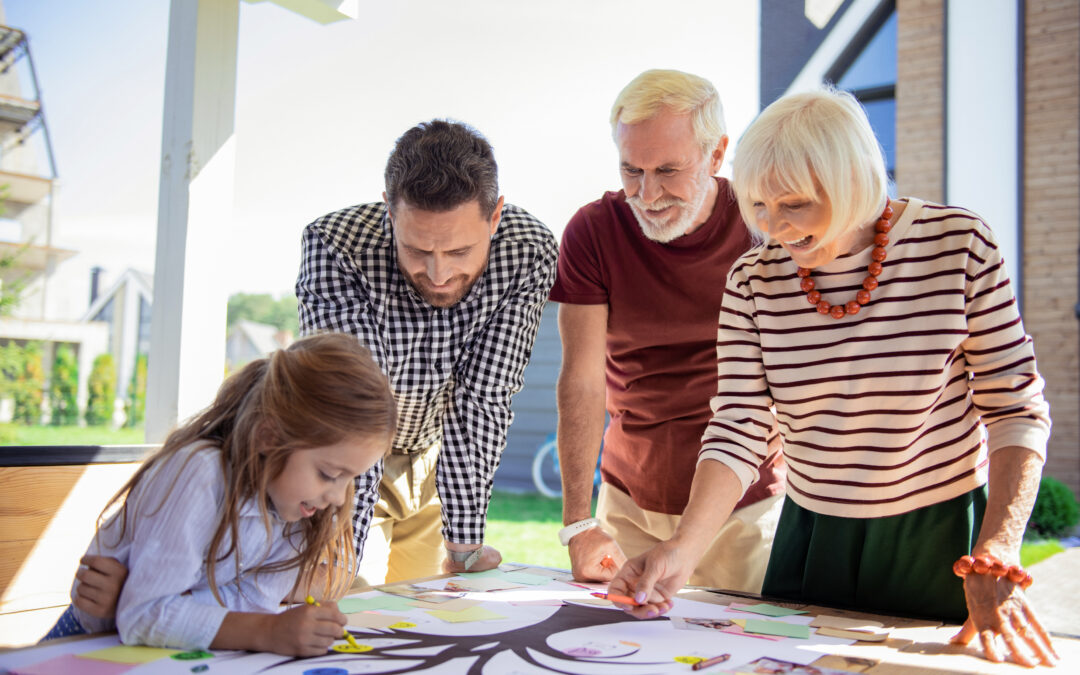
point(345, 631)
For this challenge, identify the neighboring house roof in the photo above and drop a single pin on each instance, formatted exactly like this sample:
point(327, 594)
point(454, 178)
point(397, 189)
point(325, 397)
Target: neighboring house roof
point(263, 337)
point(143, 283)
point(806, 68)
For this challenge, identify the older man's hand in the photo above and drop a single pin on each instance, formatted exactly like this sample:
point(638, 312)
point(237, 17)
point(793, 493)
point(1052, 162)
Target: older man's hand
point(594, 555)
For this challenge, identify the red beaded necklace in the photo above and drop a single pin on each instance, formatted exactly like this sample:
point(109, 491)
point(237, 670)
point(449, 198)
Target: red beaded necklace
point(878, 256)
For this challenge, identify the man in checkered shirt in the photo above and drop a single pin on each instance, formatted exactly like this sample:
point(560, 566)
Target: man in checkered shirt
point(445, 284)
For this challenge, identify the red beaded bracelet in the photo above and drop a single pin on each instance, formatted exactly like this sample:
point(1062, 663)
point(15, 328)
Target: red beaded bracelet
point(988, 564)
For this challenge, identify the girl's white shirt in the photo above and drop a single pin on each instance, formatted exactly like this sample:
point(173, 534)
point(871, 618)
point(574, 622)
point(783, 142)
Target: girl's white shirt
point(172, 515)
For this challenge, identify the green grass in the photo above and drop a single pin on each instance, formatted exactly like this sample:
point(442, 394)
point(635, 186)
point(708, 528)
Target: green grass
point(1032, 552)
point(18, 434)
point(525, 528)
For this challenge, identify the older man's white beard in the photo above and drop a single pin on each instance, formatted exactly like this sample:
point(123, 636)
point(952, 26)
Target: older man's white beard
point(681, 225)
point(660, 233)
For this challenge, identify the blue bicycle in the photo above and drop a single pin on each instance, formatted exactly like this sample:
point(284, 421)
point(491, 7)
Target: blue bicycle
point(545, 468)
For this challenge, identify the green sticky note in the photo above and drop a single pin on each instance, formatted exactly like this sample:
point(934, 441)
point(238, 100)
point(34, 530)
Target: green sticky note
point(465, 615)
point(394, 603)
point(766, 627)
point(770, 610)
point(126, 654)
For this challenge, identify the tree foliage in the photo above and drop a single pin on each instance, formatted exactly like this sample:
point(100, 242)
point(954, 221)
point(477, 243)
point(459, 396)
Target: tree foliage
point(64, 387)
point(263, 308)
point(1056, 511)
point(22, 378)
point(102, 391)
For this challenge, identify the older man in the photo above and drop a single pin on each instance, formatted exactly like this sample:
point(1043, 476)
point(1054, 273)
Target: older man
point(445, 283)
point(641, 277)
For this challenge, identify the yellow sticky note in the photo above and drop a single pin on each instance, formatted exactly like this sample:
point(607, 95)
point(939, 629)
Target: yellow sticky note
point(126, 654)
point(470, 614)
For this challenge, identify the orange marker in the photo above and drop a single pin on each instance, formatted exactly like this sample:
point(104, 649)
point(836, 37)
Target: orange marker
point(626, 600)
point(608, 563)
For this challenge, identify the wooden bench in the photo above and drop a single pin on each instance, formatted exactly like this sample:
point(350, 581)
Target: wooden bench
point(50, 499)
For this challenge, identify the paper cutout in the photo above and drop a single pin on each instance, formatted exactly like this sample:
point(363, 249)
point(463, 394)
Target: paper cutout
point(130, 654)
point(845, 623)
point(766, 609)
point(731, 626)
point(372, 620)
point(515, 578)
point(767, 665)
point(766, 627)
point(451, 605)
point(466, 615)
point(346, 648)
point(394, 603)
point(193, 655)
point(864, 636)
point(482, 585)
point(71, 663)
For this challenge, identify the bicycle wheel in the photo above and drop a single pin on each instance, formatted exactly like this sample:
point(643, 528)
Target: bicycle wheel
point(545, 470)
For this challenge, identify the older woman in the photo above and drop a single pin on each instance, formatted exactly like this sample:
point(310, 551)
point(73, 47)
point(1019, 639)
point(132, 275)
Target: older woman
point(883, 338)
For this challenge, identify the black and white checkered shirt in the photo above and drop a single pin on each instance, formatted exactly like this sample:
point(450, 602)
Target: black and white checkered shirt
point(452, 370)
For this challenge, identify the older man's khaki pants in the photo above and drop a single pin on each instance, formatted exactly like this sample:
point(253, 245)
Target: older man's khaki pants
point(405, 538)
point(735, 560)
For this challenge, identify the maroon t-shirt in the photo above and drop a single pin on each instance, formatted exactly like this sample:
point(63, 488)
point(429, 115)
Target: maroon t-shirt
point(663, 308)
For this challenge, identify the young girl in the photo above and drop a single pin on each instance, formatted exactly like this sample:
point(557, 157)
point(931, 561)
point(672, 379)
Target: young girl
point(244, 503)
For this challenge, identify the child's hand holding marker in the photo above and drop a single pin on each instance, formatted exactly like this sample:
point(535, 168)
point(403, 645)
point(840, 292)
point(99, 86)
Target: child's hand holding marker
point(345, 631)
point(306, 630)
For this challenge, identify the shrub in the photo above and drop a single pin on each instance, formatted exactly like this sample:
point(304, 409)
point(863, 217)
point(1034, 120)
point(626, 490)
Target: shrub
point(30, 392)
point(102, 391)
point(135, 406)
point(22, 379)
point(64, 387)
point(1056, 511)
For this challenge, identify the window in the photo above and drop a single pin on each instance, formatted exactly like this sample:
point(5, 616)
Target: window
point(868, 70)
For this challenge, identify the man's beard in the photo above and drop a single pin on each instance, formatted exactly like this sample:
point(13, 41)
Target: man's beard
point(683, 222)
point(443, 299)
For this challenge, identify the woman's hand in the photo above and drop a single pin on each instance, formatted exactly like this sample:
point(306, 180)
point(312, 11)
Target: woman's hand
point(100, 581)
point(999, 608)
point(653, 578)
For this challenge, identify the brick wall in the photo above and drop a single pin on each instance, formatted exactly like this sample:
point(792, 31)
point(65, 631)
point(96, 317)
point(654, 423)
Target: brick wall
point(1052, 217)
point(920, 99)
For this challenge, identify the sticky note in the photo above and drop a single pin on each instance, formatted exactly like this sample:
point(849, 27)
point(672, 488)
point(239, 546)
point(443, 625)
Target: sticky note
point(393, 603)
point(766, 609)
point(465, 615)
point(372, 620)
point(777, 628)
point(454, 605)
point(129, 654)
point(70, 663)
point(845, 623)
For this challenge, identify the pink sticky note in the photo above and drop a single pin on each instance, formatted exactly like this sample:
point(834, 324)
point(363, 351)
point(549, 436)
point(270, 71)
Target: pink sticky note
point(69, 663)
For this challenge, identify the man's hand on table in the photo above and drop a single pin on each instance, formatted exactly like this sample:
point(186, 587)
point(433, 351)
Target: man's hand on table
point(489, 559)
point(595, 556)
point(100, 580)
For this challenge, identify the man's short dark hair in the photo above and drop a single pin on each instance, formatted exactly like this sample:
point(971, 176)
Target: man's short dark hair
point(440, 165)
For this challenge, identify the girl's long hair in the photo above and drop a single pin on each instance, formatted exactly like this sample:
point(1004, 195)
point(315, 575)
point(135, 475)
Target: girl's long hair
point(320, 391)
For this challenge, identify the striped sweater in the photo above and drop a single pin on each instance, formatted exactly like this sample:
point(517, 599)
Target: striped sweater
point(892, 409)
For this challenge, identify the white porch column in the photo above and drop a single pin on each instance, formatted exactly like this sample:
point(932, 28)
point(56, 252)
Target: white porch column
point(187, 338)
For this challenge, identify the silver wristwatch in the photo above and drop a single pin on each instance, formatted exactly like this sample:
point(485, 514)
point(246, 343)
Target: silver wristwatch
point(470, 558)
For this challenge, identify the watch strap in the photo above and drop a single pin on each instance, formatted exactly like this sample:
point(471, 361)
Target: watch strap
point(470, 558)
point(568, 532)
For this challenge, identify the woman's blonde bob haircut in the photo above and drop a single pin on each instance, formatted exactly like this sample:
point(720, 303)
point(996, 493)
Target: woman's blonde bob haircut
point(655, 90)
point(817, 144)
